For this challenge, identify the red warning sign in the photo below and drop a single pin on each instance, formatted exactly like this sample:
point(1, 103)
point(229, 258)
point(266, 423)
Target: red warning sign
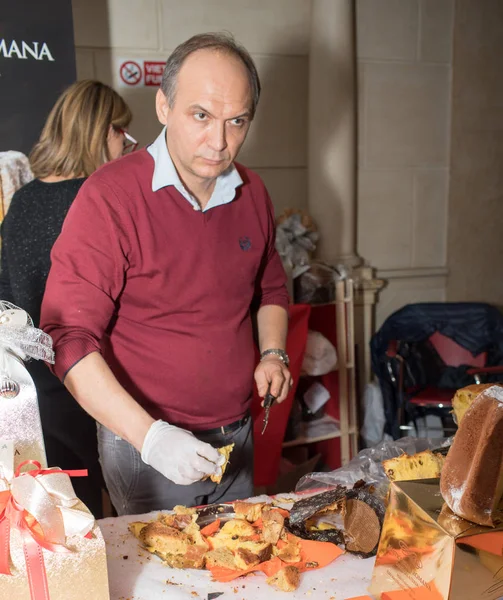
point(130, 72)
point(153, 72)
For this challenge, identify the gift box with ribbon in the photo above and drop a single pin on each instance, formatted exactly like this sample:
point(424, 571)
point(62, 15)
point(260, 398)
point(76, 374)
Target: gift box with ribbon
point(19, 414)
point(50, 545)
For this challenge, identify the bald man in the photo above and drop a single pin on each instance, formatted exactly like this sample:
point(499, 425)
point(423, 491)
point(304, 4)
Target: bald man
point(164, 258)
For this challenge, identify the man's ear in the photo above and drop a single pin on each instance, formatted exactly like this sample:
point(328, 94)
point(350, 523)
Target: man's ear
point(161, 107)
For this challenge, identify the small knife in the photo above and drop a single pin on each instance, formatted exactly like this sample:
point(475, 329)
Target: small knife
point(268, 402)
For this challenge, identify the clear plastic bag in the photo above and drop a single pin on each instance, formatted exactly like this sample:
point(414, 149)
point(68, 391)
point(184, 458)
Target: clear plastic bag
point(317, 284)
point(374, 420)
point(296, 240)
point(367, 465)
point(320, 356)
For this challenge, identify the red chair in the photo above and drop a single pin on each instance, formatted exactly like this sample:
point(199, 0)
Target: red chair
point(420, 401)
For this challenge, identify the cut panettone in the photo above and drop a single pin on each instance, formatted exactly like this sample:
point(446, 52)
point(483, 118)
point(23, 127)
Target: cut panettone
point(194, 533)
point(289, 553)
point(228, 548)
point(136, 527)
point(260, 548)
point(464, 398)
point(164, 539)
point(178, 521)
point(173, 546)
point(248, 510)
point(232, 534)
point(472, 479)
point(180, 549)
point(220, 557)
point(245, 559)
point(225, 451)
point(286, 579)
point(238, 527)
point(273, 523)
point(184, 510)
point(423, 465)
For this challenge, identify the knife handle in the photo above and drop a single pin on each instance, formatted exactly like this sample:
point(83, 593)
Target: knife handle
point(269, 398)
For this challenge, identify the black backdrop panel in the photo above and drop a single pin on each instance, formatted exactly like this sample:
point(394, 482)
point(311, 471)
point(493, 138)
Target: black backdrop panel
point(29, 86)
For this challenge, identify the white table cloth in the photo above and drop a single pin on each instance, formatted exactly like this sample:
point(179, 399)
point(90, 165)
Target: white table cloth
point(135, 574)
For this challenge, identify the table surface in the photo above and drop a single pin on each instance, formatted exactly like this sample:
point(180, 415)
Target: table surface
point(135, 574)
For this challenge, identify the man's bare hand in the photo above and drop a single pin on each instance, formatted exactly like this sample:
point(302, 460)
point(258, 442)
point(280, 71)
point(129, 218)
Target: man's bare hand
point(272, 370)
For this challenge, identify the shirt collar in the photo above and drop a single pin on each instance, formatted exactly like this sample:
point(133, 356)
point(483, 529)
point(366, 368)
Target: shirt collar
point(165, 175)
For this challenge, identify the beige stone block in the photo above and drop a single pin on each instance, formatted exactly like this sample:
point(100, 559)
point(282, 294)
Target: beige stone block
point(262, 26)
point(278, 135)
point(437, 21)
point(287, 187)
point(85, 64)
point(385, 202)
point(116, 23)
point(431, 191)
point(407, 115)
point(387, 29)
point(409, 290)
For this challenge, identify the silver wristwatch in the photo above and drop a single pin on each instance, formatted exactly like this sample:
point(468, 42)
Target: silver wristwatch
point(278, 352)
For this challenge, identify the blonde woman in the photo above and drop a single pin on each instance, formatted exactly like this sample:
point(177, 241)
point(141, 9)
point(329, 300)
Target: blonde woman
point(86, 128)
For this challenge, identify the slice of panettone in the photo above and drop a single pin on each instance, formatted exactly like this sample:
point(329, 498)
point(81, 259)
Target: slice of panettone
point(464, 397)
point(225, 451)
point(178, 521)
point(289, 553)
point(220, 557)
point(245, 559)
point(177, 548)
point(286, 579)
point(184, 510)
point(273, 523)
point(164, 539)
point(263, 550)
point(423, 465)
point(248, 510)
point(232, 534)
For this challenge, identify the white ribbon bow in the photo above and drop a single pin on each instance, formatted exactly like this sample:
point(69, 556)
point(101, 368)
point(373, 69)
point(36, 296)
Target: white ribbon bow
point(18, 335)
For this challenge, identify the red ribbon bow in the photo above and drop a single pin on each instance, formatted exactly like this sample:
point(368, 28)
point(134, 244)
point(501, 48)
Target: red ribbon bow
point(14, 515)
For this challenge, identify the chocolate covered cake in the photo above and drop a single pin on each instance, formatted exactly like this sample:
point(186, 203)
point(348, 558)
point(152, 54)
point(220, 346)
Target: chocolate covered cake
point(471, 481)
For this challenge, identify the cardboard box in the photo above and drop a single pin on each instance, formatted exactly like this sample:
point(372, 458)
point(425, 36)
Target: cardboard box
point(426, 552)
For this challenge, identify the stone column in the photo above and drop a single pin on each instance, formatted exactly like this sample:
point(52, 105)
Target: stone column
point(332, 158)
point(332, 129)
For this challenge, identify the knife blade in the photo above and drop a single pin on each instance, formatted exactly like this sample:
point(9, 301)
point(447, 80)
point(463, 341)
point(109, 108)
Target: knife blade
point(268, 402)
point(211, 512)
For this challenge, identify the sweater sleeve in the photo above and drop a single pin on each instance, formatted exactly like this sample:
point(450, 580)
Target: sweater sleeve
point(89, 263)
point(271, 281)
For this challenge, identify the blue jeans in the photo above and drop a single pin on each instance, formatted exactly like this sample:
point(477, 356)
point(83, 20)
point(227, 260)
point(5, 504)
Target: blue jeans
point(137, 488)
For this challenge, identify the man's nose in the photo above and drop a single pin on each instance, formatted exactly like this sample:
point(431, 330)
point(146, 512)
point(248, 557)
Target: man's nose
point(217, 139)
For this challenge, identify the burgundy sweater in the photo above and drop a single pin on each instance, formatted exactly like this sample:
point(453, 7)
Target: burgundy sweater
point(164, 291)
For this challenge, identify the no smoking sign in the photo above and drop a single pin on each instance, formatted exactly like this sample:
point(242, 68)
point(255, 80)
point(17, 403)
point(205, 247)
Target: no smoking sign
point(130, 72)
point(139, 72)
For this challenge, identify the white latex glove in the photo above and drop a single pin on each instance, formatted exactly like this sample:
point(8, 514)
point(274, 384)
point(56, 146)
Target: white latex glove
point(179, 455)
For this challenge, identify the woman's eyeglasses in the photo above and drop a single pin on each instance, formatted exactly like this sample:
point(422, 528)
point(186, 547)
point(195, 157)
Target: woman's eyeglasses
point(129, 144)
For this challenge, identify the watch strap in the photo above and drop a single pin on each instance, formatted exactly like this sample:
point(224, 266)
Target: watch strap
point(278, 352)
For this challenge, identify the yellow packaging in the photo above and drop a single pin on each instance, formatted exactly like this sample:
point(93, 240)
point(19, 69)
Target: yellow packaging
point(426, 552)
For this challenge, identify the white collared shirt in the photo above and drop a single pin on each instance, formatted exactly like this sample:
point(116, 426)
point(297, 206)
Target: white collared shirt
point(165, 174)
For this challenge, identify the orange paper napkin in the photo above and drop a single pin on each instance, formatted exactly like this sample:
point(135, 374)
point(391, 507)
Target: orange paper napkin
point(322, 553)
